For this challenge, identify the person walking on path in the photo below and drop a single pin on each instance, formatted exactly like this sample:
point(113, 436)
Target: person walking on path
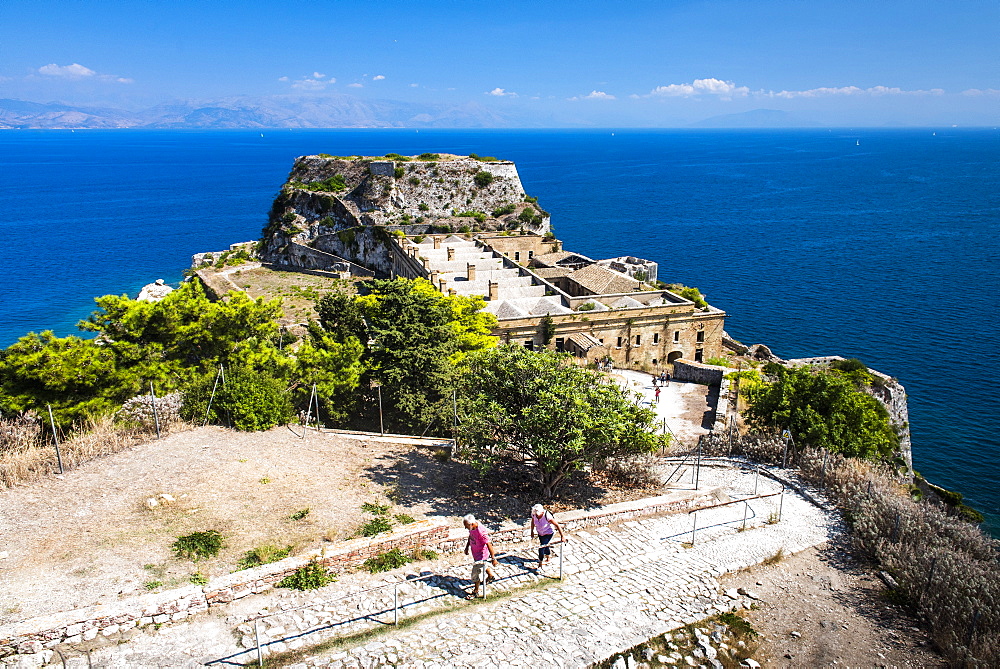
point(544, 524)
point(655, 379)
point(656, 394)
point(481, 545)
point(663, 378)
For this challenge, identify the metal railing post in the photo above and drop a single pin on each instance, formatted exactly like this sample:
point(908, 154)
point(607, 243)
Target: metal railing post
point(697, 478)
point(256, 638)
point(212, 398)
point(55, 438)
point(395, 604)
point(694, 527)
point(756, 477)
point(746, 508)
point(561, 551)
point(781, 502)
point(483, 575)
point(156, 416)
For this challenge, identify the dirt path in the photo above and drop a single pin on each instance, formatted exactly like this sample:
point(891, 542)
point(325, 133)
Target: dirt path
point(824, 607)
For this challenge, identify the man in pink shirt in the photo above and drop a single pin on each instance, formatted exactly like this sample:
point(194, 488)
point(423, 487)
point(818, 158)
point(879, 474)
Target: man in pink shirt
point(481, 546)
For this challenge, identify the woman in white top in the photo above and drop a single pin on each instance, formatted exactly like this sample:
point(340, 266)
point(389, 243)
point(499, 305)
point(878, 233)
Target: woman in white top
point(544, 524)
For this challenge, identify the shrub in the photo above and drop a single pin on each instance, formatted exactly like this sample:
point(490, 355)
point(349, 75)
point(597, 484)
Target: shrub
point(718, 362)
point(588, 306)
point(429, 156)
point(387, 561)
point(153, 585)
point(532, 200)
point(265, 554)
point(198, 545)
point(300, 514)
point(404, 519)
point(374, 526)
point(849, 365)
point(309, 577)
point(375, 509)
point(139, 410)
point(424, 554)
point(483, 179)
point(688, 293)
point(398, 172)
point(478, 215)
point(504, 210)
point(414, 181)
point(250, 400)
point(334, 184)
point(198, 578)
point(423, 207)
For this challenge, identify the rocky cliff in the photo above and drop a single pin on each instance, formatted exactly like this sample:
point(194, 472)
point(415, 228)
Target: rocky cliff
point(347, 206)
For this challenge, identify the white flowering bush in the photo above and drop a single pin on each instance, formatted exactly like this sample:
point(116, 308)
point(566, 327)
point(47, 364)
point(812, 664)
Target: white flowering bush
point(20, 432)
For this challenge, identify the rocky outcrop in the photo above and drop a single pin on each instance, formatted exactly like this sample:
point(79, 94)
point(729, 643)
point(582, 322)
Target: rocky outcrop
point(346, 206)
point(155, 291)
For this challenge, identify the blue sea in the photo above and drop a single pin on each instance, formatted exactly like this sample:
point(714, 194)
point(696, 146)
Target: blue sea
point(870, 243)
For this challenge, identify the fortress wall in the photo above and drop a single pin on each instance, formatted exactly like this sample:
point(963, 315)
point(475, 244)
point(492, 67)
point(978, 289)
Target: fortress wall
point(695, 372)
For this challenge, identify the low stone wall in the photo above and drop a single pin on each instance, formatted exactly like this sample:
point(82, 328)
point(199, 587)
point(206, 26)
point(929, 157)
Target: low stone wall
point(36, 636)
point(582, 519)
point(697, 372)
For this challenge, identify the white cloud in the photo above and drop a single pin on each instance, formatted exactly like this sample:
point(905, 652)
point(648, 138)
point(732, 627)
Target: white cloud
point(355, 85)
point(873, 91)
point(312, 83)
point(980, 92)
point(593, 95)
point(378, 77)
point(77, 71)
point(723, 89)
point(501, 93)
point(414, 85)
point(74, 71)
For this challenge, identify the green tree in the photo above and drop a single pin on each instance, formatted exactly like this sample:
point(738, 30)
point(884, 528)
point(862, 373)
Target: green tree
point(541, 408)
point(78, 377)
point(823, 409)
point(331, 360)
point(416, 337)
point(185, 335)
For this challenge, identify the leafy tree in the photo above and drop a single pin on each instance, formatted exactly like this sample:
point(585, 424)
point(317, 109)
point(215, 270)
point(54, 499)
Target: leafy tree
point(76, 376)
point(333, 362)
point(417, 335)
point(542, 408)
point(185, 335)
point(823, 409)
point(411, 340)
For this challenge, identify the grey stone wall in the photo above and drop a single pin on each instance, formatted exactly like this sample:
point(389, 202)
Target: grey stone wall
point(696, 372)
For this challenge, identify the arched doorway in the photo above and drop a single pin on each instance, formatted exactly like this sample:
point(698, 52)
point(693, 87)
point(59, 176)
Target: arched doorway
point(674, 355)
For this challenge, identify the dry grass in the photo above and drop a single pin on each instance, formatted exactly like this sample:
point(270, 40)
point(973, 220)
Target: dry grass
point(25, 456)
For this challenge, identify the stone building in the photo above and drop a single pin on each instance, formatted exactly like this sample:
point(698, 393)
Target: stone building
point(544, 296)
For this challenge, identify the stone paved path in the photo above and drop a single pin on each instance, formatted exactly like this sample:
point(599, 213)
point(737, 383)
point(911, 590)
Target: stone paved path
point(623, 585)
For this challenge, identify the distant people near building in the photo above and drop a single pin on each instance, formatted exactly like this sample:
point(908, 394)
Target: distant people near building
point(656, 394)
point(482, 551)
point(655, 380)
point(667, 382)
point(663, 378)
point(544, 525)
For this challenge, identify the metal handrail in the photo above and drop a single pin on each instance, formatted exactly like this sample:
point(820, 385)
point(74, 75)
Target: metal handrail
point(395, 595)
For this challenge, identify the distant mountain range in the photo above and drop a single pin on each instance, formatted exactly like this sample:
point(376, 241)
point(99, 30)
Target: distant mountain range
point(333, 111)
point(759, 118)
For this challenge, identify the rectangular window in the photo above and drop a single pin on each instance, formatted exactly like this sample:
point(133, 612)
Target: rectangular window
point(528, 344)
point(677, 336)
point(560, 344)
point(619, 342)
point(699, 354)
point(531, 254)
point(517, 256)
point(700, 337)
point(656, 337)
point(638, 340)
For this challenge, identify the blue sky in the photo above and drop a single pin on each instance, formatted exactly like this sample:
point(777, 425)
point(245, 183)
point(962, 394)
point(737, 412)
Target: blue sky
point(596, 63)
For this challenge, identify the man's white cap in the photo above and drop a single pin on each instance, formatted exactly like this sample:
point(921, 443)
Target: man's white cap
point(471, 520)
point(537, 509)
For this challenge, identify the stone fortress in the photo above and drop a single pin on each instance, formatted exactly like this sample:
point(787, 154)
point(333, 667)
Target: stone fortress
point(465, 224)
